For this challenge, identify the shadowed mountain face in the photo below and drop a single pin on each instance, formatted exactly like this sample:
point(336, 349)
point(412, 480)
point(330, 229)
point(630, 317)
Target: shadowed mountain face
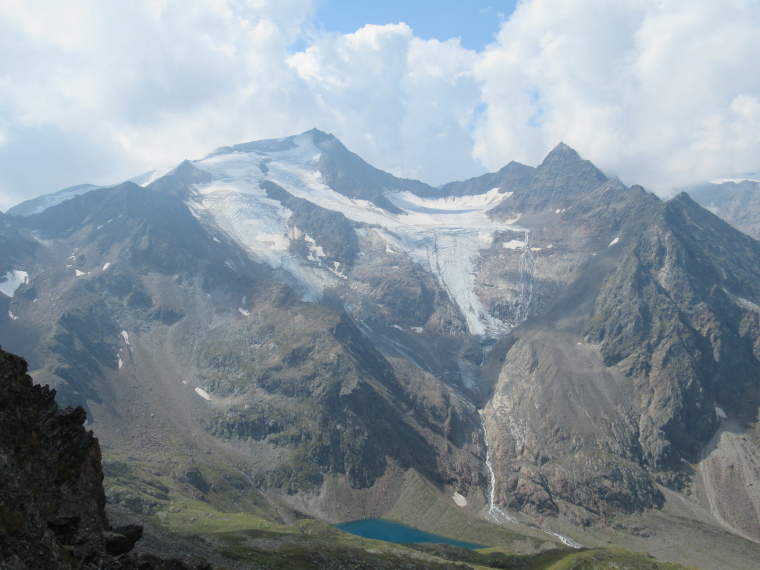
point(331, 330)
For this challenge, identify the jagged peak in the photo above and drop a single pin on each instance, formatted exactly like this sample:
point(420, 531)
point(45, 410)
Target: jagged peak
point(563, 153)
point(563, 162)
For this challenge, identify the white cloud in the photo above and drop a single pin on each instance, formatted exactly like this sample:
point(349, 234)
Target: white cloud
point(145, 83)
point(659, 92)
point(401, 103)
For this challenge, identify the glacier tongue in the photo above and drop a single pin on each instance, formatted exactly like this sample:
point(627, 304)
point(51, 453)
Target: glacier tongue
point(444, 235)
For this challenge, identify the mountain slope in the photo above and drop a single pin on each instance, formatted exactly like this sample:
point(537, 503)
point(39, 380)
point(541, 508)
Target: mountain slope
point(326, 335)
point(149, 301)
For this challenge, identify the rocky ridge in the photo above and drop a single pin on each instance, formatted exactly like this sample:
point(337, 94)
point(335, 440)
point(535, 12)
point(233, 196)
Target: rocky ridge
point(736, 201)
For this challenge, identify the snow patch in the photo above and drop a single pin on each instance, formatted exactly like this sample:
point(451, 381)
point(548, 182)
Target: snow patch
point(398, 327)
point(243, 312)
point(79, 273)
point(13, 280)
point(145, 179)
point(106, 266)
point(125, 336)
point(614, 241)
point(12, 316)
point(203, 394)
point(418, 330)
point(514, 244)
point(120, 363)
point(720, 413)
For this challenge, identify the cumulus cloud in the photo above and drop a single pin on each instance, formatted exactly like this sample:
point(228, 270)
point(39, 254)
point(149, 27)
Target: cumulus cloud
point(659, 92)
point(145, 83)
point(402, 103)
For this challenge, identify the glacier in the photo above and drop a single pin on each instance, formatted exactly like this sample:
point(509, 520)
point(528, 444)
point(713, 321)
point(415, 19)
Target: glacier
point(443, 235)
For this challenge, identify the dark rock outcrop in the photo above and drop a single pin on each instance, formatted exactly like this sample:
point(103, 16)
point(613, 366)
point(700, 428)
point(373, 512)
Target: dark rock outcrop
point(52, 502)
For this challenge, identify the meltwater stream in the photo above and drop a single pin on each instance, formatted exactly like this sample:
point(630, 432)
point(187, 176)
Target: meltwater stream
point(527, 271)
point(497, 513)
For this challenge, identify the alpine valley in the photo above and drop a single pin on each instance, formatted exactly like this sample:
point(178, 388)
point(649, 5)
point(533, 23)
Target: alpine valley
point(280, 336)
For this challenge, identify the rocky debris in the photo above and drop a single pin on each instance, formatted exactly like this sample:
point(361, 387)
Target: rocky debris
point(122, 539)
point(52, 503)
point(195, 478)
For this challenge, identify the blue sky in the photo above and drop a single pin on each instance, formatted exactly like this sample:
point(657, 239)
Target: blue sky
point(474, 22)
point(661, 93)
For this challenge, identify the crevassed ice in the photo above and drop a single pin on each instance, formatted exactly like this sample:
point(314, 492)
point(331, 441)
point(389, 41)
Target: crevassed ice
point(444, 235)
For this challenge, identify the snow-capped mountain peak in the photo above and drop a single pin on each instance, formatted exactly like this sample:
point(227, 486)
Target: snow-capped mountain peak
point(443, 235)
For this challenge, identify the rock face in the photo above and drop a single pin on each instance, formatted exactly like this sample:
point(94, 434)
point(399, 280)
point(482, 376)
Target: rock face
point(674, 317)
point(616, 388)
point(51, 485)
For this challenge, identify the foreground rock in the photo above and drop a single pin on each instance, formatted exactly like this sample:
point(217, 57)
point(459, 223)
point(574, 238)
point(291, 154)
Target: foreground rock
point(51, 485)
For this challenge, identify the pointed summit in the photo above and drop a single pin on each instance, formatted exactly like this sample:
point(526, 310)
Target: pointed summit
point(558, 182)
point(563, 171)
point(561, 153)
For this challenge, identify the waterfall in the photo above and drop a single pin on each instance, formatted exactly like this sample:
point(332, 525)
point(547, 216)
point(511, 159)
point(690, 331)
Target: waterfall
point(498, 514)
point(527, 270)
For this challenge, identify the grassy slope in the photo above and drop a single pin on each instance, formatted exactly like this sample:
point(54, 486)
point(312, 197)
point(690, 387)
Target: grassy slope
point(240, 526)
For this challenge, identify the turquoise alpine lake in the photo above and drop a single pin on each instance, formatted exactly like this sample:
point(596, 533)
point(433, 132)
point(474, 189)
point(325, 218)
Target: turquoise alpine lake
point(390, 531)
